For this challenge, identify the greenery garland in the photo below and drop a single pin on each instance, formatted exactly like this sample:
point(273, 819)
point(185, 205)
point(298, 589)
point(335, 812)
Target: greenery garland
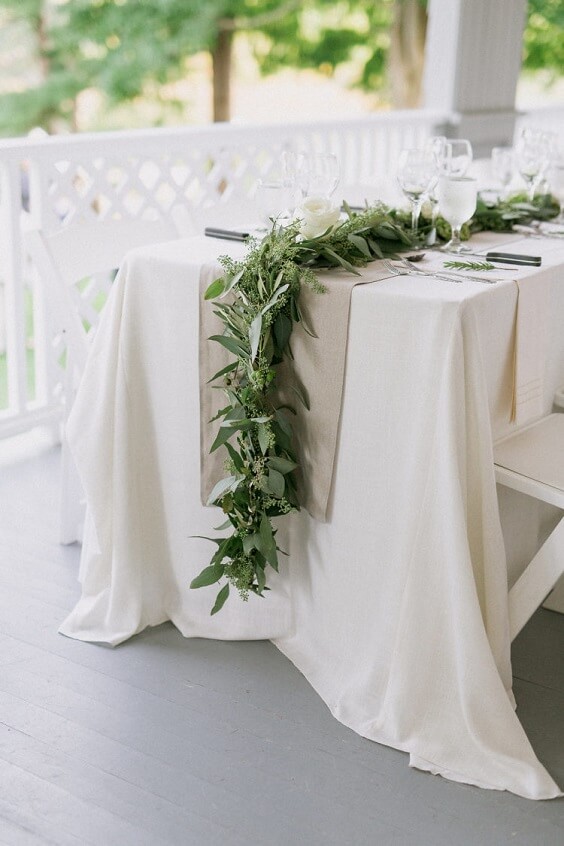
point(258, 318)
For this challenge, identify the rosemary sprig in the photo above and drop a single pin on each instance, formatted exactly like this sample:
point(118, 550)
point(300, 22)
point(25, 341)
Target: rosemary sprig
point(469, 265)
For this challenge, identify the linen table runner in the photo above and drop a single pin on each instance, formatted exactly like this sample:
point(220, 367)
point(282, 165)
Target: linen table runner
point(318, 366)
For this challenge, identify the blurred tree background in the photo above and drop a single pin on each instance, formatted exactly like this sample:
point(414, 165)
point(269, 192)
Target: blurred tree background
point(90, 64)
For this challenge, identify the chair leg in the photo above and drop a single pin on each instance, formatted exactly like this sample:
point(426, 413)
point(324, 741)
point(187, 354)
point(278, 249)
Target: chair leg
point(536, 582)
point(71, 504)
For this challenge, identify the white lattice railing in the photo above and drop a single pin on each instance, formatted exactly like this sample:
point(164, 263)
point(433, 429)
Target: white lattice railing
point(145, 173)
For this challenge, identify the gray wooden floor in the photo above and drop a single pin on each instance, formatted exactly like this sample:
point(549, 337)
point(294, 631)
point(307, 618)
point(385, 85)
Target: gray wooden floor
point(195, 743)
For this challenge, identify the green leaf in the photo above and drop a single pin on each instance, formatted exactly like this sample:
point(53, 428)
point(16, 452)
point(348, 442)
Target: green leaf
point(275, 297)
point(220, 599)
point(255, 330)
point(263, 437)
point(235, 457)
point(230, 483)
point(283, 465)
point(222, 436)
point(284, 423)
point(261, 580)
point(276, 483)
point(282, 330)
point(360, 243)
point(215, 289)
point(251, 542)
point(268, 545)
point(230, 344)
point(230, 283)
point(209, 576)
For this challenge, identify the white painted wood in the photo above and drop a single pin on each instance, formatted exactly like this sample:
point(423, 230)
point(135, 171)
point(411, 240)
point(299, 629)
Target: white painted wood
point(534, 585)
point(61, 259)
point(531, 461)
point(472, 63)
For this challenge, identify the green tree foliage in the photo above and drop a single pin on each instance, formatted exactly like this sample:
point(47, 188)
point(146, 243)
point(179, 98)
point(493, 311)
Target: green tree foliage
point(544, 37)
point(128, 49)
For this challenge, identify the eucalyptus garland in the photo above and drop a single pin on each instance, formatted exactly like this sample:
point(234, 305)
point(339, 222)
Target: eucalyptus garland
point(257, 301)
point(255, 429)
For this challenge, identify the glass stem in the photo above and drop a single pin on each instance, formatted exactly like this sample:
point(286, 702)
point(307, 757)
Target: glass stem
point(455, 241)
point(415, 212)
point(531, 191)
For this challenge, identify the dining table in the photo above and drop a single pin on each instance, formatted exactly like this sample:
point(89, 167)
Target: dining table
point(395, 605)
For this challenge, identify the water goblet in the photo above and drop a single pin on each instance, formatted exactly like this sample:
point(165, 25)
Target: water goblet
point(457, 202)
point(457, 157)
point(417, 169)
point(274, 200)
point(502, 167)
point(532, 154)
point(318, 175)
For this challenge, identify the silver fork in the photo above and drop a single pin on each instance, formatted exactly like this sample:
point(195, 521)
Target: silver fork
point(452, 274)
point(407, 270)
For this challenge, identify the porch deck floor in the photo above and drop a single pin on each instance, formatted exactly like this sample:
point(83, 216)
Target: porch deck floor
point(196, 743)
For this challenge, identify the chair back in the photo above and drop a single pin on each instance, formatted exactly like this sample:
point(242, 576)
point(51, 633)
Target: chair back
point(76, 265)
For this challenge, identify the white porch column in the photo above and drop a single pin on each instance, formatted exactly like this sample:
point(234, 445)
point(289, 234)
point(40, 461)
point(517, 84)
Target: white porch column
point(472, 63)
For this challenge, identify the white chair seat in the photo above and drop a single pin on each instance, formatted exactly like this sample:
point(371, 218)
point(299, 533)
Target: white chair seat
point(532, 462)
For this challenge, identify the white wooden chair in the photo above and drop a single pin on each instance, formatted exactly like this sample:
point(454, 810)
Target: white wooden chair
point(531, 461)
point(62, 259)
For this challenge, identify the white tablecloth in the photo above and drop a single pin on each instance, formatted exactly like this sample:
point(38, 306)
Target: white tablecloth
point(396, 609)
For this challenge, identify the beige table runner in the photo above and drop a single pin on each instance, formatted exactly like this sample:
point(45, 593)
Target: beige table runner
point(319, 365)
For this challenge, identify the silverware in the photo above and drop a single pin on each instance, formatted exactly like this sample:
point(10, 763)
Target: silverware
point(452, 273)
point(414, 271)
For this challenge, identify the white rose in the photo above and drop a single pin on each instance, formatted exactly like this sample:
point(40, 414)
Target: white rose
point(318, 215)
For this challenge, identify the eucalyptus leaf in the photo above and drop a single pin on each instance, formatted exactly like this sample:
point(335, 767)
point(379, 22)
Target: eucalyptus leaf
point(222, 487)
point(276, 483)
point(220, 599)
point(268, 544)
point(208, 576)
point(255, 335)
point(283, 465)
point(263, 438)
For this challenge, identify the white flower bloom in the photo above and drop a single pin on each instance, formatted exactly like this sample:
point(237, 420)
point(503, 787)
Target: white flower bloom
point(318, 215)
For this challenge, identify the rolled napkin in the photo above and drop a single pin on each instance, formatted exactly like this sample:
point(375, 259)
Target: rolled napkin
point(318, 365)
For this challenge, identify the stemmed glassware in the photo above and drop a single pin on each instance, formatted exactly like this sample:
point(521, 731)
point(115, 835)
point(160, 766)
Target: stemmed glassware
point(457, 200)
point(532, 155)
point(417, 170)
point(457, 157)
point(274, 200)
point(318, 174)
point(502, 167)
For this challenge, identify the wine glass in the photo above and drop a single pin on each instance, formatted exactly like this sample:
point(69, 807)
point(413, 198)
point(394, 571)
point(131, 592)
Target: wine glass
point(417, 169)
point(274, 199)
point(502, 167)
point(318, 174)
point(457, 201)
point(532, 154)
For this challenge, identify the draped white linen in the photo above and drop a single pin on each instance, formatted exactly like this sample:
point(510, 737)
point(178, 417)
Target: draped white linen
point(396, 608)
